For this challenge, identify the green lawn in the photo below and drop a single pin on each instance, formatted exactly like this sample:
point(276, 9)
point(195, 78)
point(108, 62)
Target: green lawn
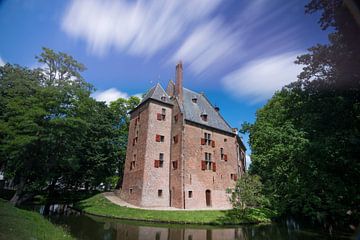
point(99, 205)
point(16, 224)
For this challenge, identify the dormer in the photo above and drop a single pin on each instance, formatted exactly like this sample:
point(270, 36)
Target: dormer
point(204, 116)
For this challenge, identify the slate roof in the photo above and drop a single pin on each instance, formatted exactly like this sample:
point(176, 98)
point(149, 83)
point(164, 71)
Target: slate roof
point(156, 93)
point(192, 111)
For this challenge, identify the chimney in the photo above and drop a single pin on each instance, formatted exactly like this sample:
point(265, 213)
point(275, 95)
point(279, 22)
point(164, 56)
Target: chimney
point(179, 79)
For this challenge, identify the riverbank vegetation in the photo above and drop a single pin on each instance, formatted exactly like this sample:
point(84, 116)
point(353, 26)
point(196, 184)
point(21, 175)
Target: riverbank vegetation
point(100, 206)
point(21, 224)
point(305, 140)
point(53, 135)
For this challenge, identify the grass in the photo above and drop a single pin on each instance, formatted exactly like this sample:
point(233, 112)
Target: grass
point(16, 223)
point(100, 206)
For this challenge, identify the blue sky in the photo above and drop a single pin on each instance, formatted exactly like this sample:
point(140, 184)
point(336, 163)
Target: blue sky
point(236, 51)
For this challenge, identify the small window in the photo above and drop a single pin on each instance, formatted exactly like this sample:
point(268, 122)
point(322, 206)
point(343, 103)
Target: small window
point(159, 138)
point(190, 194)
point(232, 176)
point(174, 163)
point(132, 165)
point(204, 117)
point(225, 140)
point(163, 114)
point(176, 139)
point(161, 160)
point(222, 153)
point(130, 190)
point(194, 99)
point(207, 138)
point(160, 193)
point(163, 98)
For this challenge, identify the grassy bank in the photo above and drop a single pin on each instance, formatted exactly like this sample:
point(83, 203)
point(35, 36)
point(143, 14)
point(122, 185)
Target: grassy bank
point(21, 224)
point(99, 205)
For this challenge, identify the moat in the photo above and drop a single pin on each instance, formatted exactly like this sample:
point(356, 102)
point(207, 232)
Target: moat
point(91, 227)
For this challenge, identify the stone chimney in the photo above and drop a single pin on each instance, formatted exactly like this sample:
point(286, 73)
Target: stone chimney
point(178, 83)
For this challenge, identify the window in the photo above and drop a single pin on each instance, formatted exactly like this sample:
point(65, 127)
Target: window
point(135, 141)
point(176, 139)
point(175, 164)
point(194, 99)
point(225, 140)
point(130, 190)
point(163, 98)
point(222, 153)
point(160, 193)
point(161, 160)
point(208, 161)
point(204, 117)
point(159, 138)
point(132, 164)
point(207, 137)
point(163, 114)
point(190, 194)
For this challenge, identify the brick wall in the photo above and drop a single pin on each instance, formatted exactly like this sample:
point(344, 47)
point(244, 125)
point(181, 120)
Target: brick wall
point(157, 178)
point(198, 180)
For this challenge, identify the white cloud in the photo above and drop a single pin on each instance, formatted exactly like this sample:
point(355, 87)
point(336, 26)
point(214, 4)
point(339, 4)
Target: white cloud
point(109, 95)
point(2, 62)
point(260, 78)
point(208, 45)
point(140, 28)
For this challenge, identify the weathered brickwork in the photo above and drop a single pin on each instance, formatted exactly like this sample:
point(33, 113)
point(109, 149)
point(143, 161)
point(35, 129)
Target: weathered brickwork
point(177, 154)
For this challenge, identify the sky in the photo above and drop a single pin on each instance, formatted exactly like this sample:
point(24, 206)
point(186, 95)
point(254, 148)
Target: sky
point(238, 52)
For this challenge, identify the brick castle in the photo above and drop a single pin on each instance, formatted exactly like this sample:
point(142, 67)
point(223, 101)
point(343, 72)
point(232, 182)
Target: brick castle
point(181, 152)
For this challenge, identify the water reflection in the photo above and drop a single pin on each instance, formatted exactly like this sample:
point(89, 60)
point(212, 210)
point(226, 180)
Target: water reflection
point(92, 227)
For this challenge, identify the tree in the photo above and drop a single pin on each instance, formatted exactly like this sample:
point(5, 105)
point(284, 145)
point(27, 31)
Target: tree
point(305, 139)
point(120, 109)
point(54, 135)
point(247, 193)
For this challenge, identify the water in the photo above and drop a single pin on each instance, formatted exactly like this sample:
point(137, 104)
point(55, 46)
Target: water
point(91, 227)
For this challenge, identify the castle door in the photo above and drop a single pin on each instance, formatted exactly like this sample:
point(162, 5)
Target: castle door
point(208, 198)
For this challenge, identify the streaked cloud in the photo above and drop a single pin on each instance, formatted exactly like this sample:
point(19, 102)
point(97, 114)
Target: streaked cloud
point(257, 80)
point(137, 27)
point(208, 45)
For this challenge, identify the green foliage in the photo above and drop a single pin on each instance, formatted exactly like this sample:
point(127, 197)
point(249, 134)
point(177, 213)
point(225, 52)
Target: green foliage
point(247, 193)
point(52, 133)
point(305, 141)
point(20, 224)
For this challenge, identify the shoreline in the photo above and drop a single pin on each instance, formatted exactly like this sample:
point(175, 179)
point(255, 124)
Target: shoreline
point(100, 206)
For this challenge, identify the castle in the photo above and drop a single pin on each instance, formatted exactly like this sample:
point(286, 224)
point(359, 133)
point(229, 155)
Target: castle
point(181, 152)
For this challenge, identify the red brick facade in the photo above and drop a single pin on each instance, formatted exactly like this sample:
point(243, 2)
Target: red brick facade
point(172, 161)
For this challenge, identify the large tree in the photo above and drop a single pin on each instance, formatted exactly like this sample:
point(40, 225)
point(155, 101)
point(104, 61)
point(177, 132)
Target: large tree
point(305, 141)
point(54, 135)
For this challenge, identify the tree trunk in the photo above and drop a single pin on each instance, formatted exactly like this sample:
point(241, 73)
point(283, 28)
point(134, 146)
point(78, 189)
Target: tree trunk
point(16, 199)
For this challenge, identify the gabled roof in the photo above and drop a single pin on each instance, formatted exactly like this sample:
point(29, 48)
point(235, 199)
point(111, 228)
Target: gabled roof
point(193, 111)
point(157, 93)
